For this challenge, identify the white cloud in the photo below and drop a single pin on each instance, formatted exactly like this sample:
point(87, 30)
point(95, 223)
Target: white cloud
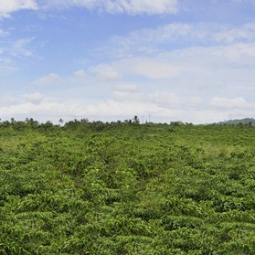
point(141, 39)
point(161, 106)
point(213, 58)
point(9, 6)
point(51, 79)
point(109, 76)
point(226, 64)
point(231, 35)
point(118, 6)
point(80, 74)
point(105, 73)
point(146, 41)
point(3, 33)
point(240, 53)
point(196, 101)
point(178, 36)
point(11, 50)
point(152, 68)
point(127, 93)
point(34, 98)
point(167, 100)
point(6, 69)
point(126, 88)
point(20, 47)
point(231, 103)
point(7, 100)
point(141, 6)
point(111, 6)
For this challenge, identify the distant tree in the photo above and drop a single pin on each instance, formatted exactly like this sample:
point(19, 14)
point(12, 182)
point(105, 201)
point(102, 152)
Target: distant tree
point(18, 125)
point(136, 120)
point(85, 121)
point(61, 121)
point(6, 123)
point(240, 124)
point(31, 122)
point(176, 123)
point(47, 124)
point(98, 125)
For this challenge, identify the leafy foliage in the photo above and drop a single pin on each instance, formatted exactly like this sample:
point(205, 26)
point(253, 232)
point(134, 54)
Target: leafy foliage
point(126, 188)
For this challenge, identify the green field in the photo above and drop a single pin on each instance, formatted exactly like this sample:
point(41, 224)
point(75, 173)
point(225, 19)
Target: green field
point(126, 188)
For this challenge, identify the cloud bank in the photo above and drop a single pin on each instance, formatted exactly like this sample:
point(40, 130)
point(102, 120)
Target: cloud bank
point(127, 102)
point(7, 7)
point(110, 6)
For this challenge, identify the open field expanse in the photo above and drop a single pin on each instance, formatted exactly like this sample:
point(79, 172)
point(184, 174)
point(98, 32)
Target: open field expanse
point(119, 188)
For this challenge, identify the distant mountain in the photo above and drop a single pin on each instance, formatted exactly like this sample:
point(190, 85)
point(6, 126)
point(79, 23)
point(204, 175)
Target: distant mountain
point(245, 121)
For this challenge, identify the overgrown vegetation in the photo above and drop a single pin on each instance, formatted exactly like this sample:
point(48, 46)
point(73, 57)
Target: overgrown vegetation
point(126, 188)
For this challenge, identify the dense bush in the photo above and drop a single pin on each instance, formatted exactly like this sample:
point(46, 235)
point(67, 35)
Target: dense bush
point(118, 188)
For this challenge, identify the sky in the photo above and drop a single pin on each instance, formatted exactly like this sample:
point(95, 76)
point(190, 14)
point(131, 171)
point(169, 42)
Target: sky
point(109, 60)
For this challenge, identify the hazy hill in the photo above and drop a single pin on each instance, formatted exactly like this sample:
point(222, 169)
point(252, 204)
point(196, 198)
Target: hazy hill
point(245, 121)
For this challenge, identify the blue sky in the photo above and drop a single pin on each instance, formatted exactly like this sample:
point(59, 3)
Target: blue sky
point(112, 59)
